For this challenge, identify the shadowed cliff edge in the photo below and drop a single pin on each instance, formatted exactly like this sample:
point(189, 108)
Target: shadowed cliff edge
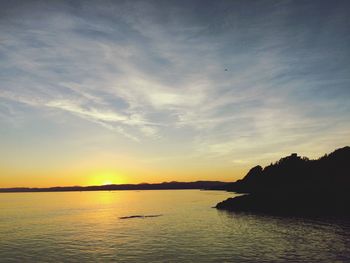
point(295, 185)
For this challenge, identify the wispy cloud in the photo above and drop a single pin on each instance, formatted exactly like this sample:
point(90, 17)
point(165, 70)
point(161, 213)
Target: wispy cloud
point(230, 83)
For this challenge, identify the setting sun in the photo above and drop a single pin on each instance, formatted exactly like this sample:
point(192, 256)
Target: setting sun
point(107, 182)
point(106, 178)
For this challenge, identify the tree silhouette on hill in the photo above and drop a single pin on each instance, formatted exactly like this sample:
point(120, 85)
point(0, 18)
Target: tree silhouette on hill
point(296, 183)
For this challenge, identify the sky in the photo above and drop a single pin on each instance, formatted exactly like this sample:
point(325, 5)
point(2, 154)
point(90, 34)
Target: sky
point(99, 92)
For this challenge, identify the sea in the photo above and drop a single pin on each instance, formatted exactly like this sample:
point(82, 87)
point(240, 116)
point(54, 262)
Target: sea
point(159, 226)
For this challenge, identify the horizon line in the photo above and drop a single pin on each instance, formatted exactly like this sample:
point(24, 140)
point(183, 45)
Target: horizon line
point(177, 185)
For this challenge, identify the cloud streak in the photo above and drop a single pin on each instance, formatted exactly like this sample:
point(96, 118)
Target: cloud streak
point(150, 71)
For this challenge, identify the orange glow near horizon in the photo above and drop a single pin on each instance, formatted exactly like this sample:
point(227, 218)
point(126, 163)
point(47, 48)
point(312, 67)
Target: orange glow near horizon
point(88, 177)
point(106, 168)
point(106, 178)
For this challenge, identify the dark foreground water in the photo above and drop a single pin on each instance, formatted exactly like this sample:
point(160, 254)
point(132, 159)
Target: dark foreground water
point(85, 227)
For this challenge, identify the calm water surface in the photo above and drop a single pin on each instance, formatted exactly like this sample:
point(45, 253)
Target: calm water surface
point(85, 227)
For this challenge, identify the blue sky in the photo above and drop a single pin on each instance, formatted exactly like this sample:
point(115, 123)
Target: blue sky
point(180, 89)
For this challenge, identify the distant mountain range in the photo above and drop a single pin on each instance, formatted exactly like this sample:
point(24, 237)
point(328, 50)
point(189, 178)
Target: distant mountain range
point(295, 185)
point(143, 186)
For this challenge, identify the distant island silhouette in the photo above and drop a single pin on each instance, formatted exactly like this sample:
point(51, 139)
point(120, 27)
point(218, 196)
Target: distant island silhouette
point(143, 186)
point(295, 185)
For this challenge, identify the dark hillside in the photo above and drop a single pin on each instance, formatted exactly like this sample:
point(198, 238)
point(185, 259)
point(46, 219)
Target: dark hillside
point(296, 183)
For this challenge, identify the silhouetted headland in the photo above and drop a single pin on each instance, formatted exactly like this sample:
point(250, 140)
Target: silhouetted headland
point(143, 186)
point(295, 185)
